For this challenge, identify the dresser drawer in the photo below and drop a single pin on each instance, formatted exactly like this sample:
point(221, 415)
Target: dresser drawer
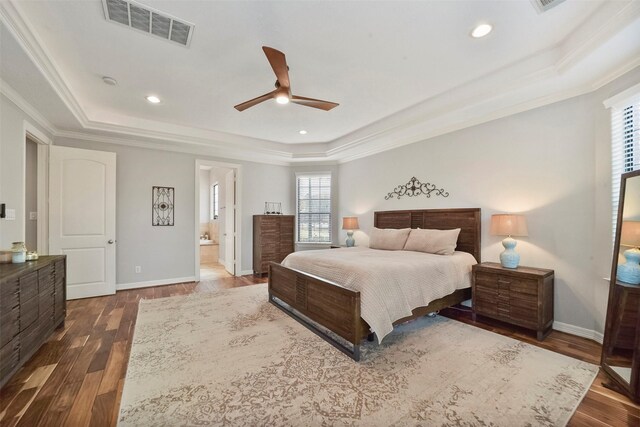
point(29, 311)
point(518, 285)
point(9, 356)
point(10, 300)
point(9, 325)
point(28, 287)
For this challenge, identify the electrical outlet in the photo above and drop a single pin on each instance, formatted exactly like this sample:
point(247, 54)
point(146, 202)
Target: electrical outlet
point(33, 216)
point(138, 269)
point(11, 214)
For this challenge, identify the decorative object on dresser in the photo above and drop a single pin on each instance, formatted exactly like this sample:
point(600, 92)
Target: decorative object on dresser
point(621, 344)
point(415, 188)
point(337, 308)
point(522, 296)
point(629, 272)
point(163, 199)
point(273, 208)
point(272, 240)
point(509, 225)
point(350, 223)
point(32, 305)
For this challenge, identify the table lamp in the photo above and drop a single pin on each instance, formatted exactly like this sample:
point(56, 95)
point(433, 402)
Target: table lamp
point(629, 272)
point(509, 225)
point(350, 223)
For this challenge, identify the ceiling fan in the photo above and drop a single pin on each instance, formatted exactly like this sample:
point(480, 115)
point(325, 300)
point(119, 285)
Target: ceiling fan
point(283, 94)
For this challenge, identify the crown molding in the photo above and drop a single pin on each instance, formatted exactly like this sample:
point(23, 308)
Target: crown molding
point(33, 47)
point(172, 146)
point(13, 96)
point(509, 90)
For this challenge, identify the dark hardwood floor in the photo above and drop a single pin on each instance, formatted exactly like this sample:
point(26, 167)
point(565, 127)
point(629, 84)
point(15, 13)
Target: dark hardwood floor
point(76, 378)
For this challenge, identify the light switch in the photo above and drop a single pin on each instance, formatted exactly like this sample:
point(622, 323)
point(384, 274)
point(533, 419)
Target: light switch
point(33, 216)
point(11, 215)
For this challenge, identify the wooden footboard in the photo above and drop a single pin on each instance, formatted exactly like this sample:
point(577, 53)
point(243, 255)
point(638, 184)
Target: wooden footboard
point(329, 304)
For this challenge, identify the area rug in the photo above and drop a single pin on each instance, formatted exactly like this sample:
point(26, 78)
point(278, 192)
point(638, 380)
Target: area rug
point(231, 358)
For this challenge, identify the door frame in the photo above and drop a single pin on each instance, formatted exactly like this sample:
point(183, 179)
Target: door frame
point(238, 213)
point(32, 132)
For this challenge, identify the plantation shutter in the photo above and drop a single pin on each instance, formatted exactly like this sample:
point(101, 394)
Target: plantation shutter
point(314, 208)
point(625, 144)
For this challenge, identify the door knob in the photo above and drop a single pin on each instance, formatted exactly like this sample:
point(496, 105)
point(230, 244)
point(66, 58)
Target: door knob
point(110, 242)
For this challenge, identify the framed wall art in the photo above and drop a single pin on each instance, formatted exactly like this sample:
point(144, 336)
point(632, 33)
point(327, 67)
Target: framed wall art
point(162, 206)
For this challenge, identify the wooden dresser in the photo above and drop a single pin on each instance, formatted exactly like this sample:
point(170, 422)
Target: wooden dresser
point(521, 296)
point(32, 305)
point(272, 240)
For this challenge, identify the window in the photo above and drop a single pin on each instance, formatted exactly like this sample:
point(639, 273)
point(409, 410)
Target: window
point(625, 142)
point(214, 202)
point(314, 208)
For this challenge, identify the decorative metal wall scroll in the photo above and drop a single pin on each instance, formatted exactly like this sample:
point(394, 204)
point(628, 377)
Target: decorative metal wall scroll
point(273, 208)
point(162, 206)
point(416, 188)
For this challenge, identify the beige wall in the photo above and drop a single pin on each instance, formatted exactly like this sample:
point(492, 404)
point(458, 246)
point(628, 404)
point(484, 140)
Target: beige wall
point(553, 164)
point(31, 190)
point(12, 169)
point(169, 252)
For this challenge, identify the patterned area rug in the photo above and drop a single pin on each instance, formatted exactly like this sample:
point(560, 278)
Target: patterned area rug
point(231, 358)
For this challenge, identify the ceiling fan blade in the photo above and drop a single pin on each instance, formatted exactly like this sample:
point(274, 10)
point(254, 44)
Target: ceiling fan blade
point(255, 101)
point(315, 103)
point(279, 65)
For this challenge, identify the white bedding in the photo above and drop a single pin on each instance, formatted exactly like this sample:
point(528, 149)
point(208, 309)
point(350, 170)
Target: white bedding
point(391, 283)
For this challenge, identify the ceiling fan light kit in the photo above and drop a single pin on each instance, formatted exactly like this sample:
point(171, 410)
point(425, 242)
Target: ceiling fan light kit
point(282, 94)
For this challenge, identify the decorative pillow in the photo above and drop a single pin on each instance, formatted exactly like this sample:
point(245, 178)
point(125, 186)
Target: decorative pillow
point(439, 242)
point(388, 238)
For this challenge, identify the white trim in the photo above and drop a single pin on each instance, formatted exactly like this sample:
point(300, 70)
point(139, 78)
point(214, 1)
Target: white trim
point(43, 142)
point(578, 331)
point(238, 209)
point(623, 98)
point(496, 95)
point(151, 283)
point(246, 272)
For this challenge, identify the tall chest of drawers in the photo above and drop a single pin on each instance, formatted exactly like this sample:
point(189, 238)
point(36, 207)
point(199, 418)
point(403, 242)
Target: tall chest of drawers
point(522, 296)
point(32, 305)
point(272, 240)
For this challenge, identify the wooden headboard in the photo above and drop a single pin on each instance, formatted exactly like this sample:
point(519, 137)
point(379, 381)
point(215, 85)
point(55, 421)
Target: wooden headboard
point(468, 220)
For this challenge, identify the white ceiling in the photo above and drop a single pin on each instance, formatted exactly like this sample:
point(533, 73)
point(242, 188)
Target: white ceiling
point(390, 65)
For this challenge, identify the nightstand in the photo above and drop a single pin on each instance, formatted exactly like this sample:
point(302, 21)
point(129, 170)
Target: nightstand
point(520, 296)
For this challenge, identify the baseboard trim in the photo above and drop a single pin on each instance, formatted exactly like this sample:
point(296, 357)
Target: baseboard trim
point(577, 330)
point(150, 283)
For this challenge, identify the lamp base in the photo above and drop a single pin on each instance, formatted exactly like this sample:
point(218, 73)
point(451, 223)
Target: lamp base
point(629, 272)
point(350, 240)
point(509, 258)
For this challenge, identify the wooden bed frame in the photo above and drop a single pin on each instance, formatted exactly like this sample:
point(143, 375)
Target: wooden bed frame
point(315, 301)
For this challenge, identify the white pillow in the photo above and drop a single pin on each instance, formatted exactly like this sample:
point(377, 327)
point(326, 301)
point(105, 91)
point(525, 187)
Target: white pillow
point(388, 239)
point(439, 242)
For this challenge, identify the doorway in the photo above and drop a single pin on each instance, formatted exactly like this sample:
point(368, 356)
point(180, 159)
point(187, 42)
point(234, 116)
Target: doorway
point(217, 228)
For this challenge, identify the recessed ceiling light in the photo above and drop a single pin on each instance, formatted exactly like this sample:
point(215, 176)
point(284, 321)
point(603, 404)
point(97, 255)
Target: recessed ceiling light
point(303, 132)
point(481, 30)
point(153, 99)
point(109, 80)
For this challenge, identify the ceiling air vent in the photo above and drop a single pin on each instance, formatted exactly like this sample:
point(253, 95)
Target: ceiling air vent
point(544, 5)
point(151, 21)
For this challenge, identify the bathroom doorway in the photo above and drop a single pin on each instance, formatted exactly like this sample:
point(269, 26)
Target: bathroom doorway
point(217, 213)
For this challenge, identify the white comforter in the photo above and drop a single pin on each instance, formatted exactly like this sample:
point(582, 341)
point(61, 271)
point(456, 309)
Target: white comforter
point(391, 283)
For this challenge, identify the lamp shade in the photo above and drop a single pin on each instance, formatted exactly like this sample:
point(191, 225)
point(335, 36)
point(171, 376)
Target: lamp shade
point(630, 235)
point(509, 225)
point(350, 223)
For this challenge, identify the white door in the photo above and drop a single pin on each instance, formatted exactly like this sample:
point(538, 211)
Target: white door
point(230, 223)
point(82, 218)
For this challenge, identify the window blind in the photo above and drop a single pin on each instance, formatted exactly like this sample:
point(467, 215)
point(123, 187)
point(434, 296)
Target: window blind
point(314, 208)
point(625, 146)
